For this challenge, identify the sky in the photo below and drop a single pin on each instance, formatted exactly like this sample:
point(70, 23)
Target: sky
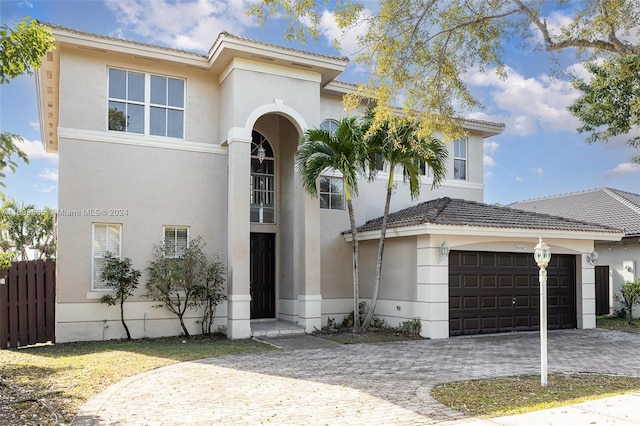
point(539, 154)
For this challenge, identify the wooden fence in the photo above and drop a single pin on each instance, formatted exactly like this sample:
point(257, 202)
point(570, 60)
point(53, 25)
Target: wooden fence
point(27, 303)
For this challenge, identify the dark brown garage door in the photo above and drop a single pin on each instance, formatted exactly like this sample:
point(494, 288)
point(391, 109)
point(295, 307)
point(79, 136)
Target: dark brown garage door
point(499, 292)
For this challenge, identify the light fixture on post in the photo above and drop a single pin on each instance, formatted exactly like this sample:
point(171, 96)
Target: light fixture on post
point(593, 258)
point(444, 251)
point(261, 153)
point(542, 255)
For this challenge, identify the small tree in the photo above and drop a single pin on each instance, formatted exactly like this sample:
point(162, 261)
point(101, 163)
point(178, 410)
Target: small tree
point(210, 294)
point(178, 282)
point(121, 277)
point(629, 295)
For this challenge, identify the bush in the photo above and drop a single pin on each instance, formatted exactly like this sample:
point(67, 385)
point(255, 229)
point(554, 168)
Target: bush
point(5, 260)
point(629, 296)
point(190, 281)
point(412, 327)
point(121, 277)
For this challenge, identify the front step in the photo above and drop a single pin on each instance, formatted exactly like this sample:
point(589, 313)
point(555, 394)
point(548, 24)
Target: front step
point(272, 328)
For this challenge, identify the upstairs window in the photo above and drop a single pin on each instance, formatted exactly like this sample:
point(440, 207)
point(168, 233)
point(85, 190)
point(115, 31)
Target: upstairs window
point(331, 193)
point(146, 104)
point(329, 125)
point(176, 241)
point(460, 159)
point(263, 181)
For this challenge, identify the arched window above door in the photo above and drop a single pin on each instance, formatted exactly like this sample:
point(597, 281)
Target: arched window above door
point(263, 199)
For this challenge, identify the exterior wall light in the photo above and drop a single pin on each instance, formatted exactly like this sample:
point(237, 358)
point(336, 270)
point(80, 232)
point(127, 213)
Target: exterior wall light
point(542, 256)
point(444, 251)
point(593, 258)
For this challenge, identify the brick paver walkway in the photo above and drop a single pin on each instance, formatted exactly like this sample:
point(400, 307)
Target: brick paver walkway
point(333, 384)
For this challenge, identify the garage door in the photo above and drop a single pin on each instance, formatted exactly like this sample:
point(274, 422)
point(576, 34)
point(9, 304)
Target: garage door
point(499, 292)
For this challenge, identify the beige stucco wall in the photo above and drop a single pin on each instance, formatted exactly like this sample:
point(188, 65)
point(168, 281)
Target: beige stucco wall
point(617, 256)
point(84, 90)
point(153, 186)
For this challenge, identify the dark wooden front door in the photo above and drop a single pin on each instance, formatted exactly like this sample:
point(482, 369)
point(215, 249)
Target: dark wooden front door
point(602, 290)
point(263, 275)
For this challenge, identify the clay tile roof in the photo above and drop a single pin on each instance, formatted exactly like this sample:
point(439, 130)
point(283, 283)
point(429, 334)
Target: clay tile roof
point(452, 211)
point(289, 49)
point(605, 206)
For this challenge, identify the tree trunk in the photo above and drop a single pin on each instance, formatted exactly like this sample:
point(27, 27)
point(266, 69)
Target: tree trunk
point(122, 319)
point(184, 327)
point(630, 320)
point(354, 245)
point(383, 231)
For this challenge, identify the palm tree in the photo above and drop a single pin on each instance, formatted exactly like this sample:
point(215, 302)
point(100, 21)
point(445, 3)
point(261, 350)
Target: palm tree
point(399, 143)
point(344, 151)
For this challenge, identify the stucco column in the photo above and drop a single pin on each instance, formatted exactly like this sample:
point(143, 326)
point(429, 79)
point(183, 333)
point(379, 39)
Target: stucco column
point(307, 267)
point(586, 294)
point(432, 293)
point(238, 284)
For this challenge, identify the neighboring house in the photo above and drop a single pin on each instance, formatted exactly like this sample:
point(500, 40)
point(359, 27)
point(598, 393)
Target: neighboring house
point(617, 261)
point(156, 144)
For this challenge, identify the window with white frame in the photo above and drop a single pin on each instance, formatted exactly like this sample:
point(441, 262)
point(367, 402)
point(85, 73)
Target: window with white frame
point(176, 240)
point(107, 237)
point(460, 159)
point(425, 170)
point(263, 181)
point(331, 193)
point(329, 125)
point(146, 104)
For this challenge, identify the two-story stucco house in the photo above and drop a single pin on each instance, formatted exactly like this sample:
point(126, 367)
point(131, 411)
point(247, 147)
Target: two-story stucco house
point(160, 144)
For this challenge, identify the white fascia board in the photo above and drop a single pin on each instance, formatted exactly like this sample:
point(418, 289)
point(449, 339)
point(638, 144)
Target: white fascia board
point(431, 229)
point(140, 140)
point(140, 51)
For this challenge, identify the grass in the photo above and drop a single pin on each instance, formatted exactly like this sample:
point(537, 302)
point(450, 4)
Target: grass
point(617, 323)
point(522, 394)
point(66, 375)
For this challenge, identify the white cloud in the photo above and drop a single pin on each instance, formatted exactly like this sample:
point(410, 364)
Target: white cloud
point(623, 169)
point(537, 171)
point(490, 148)
point(347, 38)
point(526, 104)
point(190, 25)
point(35, 150)
point(49, 174)
point(519, 179)
point(45, 189)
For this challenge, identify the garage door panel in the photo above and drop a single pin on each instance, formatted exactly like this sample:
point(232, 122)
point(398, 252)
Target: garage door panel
point(484, 304)
point(470, 302)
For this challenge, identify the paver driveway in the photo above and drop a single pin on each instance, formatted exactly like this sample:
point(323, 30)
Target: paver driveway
point(332, 384)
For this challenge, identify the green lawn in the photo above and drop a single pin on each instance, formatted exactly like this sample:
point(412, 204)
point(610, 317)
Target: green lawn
point(64, 376)
point(619, 324)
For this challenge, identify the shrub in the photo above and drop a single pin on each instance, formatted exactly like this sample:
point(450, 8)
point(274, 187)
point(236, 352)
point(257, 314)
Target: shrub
point(121, 277)
point(186, 282)
point(629, 296)
point(413, 327)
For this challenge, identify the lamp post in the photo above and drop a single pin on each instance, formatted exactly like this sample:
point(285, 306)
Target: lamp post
point(542, 255)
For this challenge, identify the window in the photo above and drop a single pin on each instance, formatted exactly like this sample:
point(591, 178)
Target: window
point(176, 240)
point(107, 237)
point(329, 125)
point(425, 170)
point(331, 193)
point(263, 199)
point(460, 159)
point(146, 104)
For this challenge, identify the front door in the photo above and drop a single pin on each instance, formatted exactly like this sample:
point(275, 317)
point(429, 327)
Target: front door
point(602, 290)
point(263, 274)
